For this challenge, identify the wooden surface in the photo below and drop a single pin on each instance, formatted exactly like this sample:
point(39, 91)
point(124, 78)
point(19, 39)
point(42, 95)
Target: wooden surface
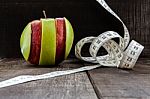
point(135, 14)
point(88, 18)
point(74, 86)
point(101, 83)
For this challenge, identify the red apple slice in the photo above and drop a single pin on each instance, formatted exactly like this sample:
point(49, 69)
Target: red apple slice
point(60, 39)
point(35, 42)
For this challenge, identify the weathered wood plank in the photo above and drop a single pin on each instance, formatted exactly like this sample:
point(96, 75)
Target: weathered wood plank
point(88, 18)
point(108, 83)
point(135, 14)
point(18, 63)
point(112, 83)
point(74, 86)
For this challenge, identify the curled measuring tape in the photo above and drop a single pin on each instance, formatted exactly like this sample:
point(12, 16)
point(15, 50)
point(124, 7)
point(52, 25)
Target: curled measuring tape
point(117, 55)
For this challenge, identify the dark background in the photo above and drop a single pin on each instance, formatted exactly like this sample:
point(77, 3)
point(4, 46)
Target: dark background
point(88, 18)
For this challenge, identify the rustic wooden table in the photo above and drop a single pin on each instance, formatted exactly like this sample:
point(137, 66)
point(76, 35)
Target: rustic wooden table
point(101, 83)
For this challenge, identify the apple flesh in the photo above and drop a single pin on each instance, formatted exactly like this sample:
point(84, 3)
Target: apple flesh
point(47, 41)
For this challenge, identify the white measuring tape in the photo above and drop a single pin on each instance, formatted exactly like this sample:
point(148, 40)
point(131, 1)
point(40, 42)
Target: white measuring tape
point(117, 55)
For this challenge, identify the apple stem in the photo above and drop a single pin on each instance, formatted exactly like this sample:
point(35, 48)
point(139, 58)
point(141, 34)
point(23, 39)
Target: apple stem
point(44, 13)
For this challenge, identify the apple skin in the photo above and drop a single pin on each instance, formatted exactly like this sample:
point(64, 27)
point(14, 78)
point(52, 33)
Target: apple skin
point(60, 39)
point(35, 42)
point(47, 47)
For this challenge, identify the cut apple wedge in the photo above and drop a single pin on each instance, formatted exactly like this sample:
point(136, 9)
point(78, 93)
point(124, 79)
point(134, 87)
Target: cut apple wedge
point(25, 41)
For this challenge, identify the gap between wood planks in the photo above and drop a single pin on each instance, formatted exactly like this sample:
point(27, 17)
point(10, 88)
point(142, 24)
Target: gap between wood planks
point(101, 83)
point(113, 83)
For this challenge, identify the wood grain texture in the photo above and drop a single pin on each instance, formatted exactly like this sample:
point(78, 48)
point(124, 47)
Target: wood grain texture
point(135, 14)
point(112, 83)
point(101, 83)
point(74, 86)
point(87, 17)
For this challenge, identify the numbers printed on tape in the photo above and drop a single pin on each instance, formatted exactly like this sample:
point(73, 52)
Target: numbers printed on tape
point(117, 55)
